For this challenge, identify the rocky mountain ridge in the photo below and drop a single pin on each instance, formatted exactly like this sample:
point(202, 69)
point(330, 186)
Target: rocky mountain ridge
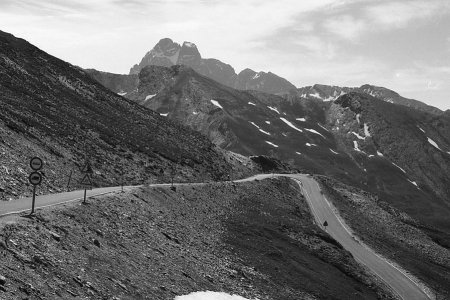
point(168, 53)
point(357, 138)
point(331, 93)
point(54, 110)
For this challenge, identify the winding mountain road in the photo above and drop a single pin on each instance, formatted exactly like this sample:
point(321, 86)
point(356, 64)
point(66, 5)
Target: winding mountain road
point(320, 207)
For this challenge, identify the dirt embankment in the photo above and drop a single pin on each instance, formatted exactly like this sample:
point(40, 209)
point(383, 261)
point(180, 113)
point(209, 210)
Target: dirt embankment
point(255, 239)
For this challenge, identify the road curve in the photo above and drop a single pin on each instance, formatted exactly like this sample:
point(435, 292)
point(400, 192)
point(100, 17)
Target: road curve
point(321, 209)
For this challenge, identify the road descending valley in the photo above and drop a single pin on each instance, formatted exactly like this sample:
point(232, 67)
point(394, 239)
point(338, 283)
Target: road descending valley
point(320, 208)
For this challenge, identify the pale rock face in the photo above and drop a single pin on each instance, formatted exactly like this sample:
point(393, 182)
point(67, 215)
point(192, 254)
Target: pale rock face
point(164, 54)
point(189, 55)
point(168, 53)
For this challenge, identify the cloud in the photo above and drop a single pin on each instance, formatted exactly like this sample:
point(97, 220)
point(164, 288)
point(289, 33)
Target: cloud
point(353, 20)
point(42, 8)
point(346, 26)
point(398, 14)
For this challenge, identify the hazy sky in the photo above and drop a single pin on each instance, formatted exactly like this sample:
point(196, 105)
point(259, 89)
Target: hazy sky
point(402, 45)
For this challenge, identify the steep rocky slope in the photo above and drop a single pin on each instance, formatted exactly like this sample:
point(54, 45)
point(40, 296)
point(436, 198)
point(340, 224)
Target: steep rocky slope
point(167, 53)
point(359, 139)
point(415, 142)
point(255, 239)
point(393, 234)
point(54, 110)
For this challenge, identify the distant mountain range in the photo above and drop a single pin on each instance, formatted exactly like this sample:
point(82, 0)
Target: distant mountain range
point(359, 135)
point(328, 93)
point(167, 53)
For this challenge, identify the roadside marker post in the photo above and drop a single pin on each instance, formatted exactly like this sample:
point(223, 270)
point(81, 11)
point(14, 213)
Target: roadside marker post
point(86, 182)
point(35, 178)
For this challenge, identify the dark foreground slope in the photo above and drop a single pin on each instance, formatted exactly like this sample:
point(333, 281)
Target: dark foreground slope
point(54, 110)
point(253, 239)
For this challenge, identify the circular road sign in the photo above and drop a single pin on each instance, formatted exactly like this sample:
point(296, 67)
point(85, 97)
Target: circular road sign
point(36, 163)
point(35, 178)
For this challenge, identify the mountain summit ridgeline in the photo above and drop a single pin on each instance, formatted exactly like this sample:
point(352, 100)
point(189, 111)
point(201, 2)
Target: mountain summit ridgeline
point(168, 53)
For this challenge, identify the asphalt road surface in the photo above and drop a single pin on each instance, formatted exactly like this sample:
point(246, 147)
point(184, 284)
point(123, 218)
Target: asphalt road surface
point(323, 211)
point(320, 208)
point(24, 204)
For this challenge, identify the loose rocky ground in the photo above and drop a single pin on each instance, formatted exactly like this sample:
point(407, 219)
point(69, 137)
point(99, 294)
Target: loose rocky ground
point(392, 233)
point(255, 239)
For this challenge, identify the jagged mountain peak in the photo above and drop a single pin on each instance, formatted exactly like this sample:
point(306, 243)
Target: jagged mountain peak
point(168, 53)
point(189, 44)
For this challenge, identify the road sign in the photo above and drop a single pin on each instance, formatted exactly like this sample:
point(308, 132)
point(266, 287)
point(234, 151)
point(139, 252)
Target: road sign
point(87, 169)
point(86, 181)
point(35, 178)
point(36, 163)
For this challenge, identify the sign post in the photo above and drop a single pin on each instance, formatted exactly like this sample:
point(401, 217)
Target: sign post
point(86, 181)
point(35, 178)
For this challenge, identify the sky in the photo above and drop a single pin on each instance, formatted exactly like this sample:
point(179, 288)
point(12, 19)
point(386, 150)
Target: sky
point(403, 45)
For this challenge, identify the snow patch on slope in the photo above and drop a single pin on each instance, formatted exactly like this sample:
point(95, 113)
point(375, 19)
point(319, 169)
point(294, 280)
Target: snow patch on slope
point(315, 95)
point(399, 167)
point(358, 136)
point(251, 103)
point(265, 132)
point(333, 151)
point(189, 44)
point(301, 119)
point(290, 124)
point(274, 109)
point(414, 183)
point(148, 97)
point(216, 103)
point(314, 131)
point(323, 127)
point(356, 146)
point(434, 144)
point(272, 144)
point(210, 296)
point(366, 130)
